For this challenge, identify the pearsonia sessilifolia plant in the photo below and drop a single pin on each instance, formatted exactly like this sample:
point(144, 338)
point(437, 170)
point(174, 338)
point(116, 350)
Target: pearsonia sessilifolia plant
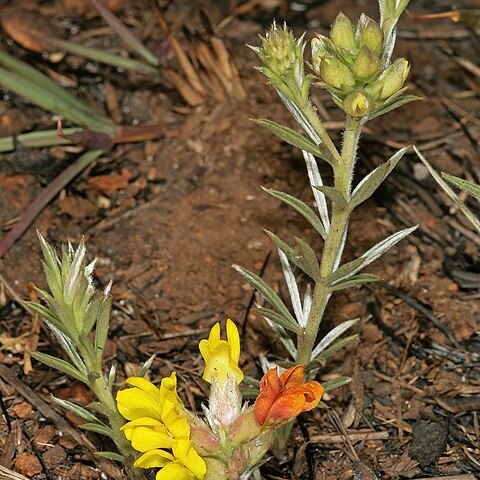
point(152, 429)
point(354, 65)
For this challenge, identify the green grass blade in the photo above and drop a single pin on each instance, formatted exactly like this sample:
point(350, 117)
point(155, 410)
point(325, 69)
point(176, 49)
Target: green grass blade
point(49, 101)
point(103, 57)
point(47, 138)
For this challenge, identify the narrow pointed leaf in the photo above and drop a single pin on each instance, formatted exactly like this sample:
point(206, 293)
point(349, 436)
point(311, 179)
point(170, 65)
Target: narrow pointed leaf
point(103, 323)
point(69, 348)
point(292, 288)
point(322, 357)
point(346, 270)
point(316, 180)
point(77, 410)
point(278, 318)
point(354, 281)
point(266, 291)
point(469, 187)
point(283, 336)
point(310, 257)
point(294, 138)
point(115, 457)
point(332, 336)
point(47, 315)
point(337, 383)
point(146, 366)
point(301, 208)
point(399, 102)
point(333, 194)
point(374, 179)
point(95, 427)
point(60, 365)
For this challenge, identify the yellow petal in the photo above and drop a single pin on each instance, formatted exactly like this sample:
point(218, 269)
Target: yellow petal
point(129, 427)
point(205, 350)
point(144, 385)
point(174, 471)
point(144, 439)
point(214, 337)
point(176, 423)
point(134, 403)
point(168, 390)
point(154, 458)
point(233, 340)
point(188, 456)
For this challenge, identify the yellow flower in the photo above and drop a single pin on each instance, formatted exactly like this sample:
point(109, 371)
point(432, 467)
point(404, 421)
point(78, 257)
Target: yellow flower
point(158, 421)
point(221, 356)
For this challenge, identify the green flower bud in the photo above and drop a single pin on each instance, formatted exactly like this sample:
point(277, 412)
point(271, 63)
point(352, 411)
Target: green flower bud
point(337, 75)
point(280, 51)
point(357, 104)
point(366, 64)
point(321, 46)
point(370, 35)
point(392, 79)
point(342, 34)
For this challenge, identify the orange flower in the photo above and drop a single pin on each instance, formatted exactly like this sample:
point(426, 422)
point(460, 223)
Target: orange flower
point(282, 398)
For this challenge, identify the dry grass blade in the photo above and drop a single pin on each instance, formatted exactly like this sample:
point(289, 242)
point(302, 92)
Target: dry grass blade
point(125, 34)
point(7, 474)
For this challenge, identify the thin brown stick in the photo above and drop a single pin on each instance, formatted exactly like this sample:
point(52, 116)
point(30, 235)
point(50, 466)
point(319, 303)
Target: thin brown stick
point(353, 437)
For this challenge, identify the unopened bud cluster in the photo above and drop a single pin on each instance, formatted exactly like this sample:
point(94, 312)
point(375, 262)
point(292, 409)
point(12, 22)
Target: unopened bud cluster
point(350, 65)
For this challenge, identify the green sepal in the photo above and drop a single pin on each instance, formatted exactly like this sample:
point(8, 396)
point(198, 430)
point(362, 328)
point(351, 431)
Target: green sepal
point(60, 365)
point(301, 208)
point(280, 319)
point(354, 281)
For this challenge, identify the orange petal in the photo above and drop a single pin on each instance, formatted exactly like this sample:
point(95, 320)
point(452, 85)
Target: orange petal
point(287, 406)
point(270, 389)
point(314, 395)
point(293, 377)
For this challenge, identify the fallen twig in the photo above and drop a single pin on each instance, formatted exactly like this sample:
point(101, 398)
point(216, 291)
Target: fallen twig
point(353, 437)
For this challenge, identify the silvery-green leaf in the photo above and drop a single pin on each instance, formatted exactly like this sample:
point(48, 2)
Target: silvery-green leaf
point(112, 374)
point(469, 187)
point(283, 336)
point(337, 383)
point(331, 336)
point(103, 323)
point(292, 288)
point(301, 208)
point(54, 280)
point(295, 257)
point(95, 427)
point(310, 257)
point(60, 365)
point(333, 194)
point(451, 194)
point(346, 270)
point(359, 279)
point(77, 410)
point(307, 302)
point(266, 291)
point(75, 270)
point(69, 347)
point(91, 315)
point(111, 456)
point(48, 316)
point(351, 268)
point(49, 255)
point(316, 179)
point(398, 102)
point(294, 138)
point(323, 356)
point(279, 319)
point(374, 179)
point(146, 366)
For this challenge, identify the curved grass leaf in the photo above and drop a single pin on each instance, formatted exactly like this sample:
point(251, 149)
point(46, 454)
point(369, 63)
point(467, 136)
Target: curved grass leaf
point(301, 208)
point(95, 427)
point(60, 365)
point(116, 457)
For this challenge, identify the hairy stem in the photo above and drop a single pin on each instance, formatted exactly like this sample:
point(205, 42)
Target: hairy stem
point(334, 242)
